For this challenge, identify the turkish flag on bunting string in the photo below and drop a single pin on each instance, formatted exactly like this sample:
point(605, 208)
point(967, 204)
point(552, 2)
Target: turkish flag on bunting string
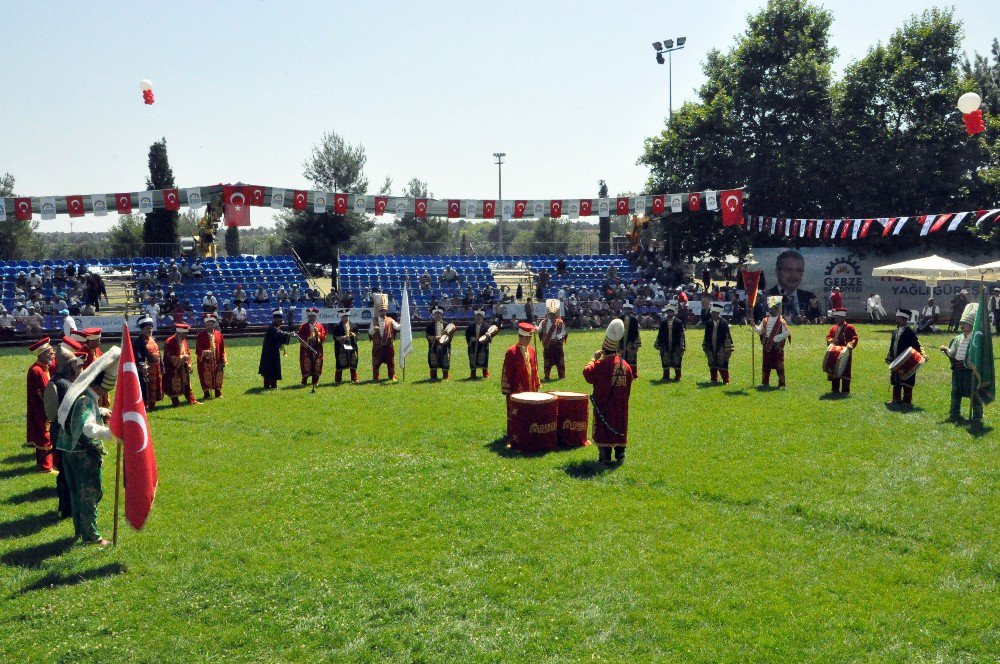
point(340, 203)
point(586, 207)
point(621, 207)
point(555, 209)
point(124, 203)
point(489, 209)
point(810, 228)
point(236, 205)
point(380, 203)
point(420, 208)
point(694, 202)
point(845, 227)
point(887, 227)
point(299, 199)
point(657, 206)
point(454, 208)
point(22, 209)
point(827, 227)
point(732, 207)
point(171, 200)
point(781, 227)
point(796, 226)
point(256, 195)
point(74, 205)
point(941, 221)
point(130, 425)
point(519, 208)
point(865, 227)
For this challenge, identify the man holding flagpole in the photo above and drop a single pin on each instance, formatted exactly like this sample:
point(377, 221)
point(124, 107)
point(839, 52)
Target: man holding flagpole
point(382, 332)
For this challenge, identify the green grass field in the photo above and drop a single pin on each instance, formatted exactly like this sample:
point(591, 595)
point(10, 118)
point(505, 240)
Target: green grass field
point(384, 522)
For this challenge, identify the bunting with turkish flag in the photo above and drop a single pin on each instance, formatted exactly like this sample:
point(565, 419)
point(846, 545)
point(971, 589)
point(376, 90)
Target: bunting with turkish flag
point(621, 207)
point(489, 209)
point(519, 208)
point(657, 205)
point(22, 209)
point(732, 207)
point(74, 205)
point(380, 203)
point(124, 203)
point(555, 209)
point(865, 227)
point(299, 199)
point(694, 202)
point(340, 203)
point(171, 200)
point(454, 208)
point(586, 208)
point(235, 205)
point(420, 208)
point(130, 425)
point(256, 195)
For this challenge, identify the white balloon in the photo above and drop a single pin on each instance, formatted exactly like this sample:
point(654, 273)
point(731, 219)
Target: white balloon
point(145, 84)
point(969, 102)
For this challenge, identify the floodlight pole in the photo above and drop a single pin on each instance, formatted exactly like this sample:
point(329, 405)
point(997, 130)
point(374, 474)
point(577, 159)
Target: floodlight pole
point(500, 156)
point(667, 46)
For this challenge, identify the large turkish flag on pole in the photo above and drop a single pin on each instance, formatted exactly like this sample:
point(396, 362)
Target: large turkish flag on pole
point(236, 205)
point(130, 424)
point(732, 207)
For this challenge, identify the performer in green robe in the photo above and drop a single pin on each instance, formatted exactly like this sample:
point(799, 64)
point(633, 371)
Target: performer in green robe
point(81, 436)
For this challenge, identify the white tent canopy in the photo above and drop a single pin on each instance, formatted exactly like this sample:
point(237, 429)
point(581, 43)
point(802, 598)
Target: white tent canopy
point(930, 270)
point(984, 271)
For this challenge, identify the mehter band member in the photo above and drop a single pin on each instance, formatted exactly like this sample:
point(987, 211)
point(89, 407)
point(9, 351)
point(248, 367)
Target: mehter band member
point(552, 332)
point(147, 356)
point(177, 367)
point(612, 379)
point(630, 343)
point(345, 347)
point(670, 341)
point(773, 332)
point(38, 423)
point(211, 351)
point(478, 336)
point(718, 344)
point(520, 367)
point(903, 339)
point(312, 334)
point(842, 334)
point(270, 352)
point(383, 335)
point(439, 335)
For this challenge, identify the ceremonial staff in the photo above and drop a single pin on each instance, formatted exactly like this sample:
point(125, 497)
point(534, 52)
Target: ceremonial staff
point(751, 279)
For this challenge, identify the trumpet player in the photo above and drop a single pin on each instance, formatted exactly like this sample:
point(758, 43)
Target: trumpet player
point(439, 344)
point(311, 335)
point(210, 349)
point(479, 336)
point(345, 347)
point(147, 356)
point(177, 366)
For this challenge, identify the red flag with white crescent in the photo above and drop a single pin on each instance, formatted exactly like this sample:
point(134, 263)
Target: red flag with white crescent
point(130, 424)
point(124, 203)
point(694, 202)
point(171, 200)
point(489, 209)
point(74, 205)
point(586, 207)
point(256, 195)
point(454, 208)
point(299, 199)
point(519, 208)
point(236, 205)
point(621, 208)
point(340, 203)
point(22, 209)
point(732, 207)
point(380, 203)
point(865, 227)
point(420, 208)
point(555, 209)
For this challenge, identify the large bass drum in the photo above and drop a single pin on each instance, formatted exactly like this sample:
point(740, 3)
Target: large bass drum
point(532, 422)
point(836, 360)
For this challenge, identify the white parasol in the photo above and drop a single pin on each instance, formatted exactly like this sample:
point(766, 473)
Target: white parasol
point(930, 270)
point(984, 271)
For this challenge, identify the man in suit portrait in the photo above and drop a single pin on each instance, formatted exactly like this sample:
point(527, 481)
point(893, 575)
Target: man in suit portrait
point(790, 268)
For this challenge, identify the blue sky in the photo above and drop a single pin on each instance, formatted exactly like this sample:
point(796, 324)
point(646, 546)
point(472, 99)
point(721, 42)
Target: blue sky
point(568, 90)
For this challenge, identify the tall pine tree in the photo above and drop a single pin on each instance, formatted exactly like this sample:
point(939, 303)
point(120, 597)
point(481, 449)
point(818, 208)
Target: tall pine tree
point(161, 225)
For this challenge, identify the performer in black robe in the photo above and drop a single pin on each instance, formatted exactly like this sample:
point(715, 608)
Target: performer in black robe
point(629, 345)
point(903, 337)
point(479, 345)
point(438, 353)
point(270, 357)
point(345, 347)
point(671, 343)
point(718, 344)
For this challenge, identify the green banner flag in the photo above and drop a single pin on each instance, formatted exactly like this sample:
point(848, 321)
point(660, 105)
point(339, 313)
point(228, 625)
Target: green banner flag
point(981, 353)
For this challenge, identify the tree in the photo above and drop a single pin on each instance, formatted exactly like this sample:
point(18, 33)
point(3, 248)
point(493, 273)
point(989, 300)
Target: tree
point(603, 223)
point(161, 225)
point(17, 238)
point(982, 75)
point(338, 166)
point(233, 241)
point(126, 238)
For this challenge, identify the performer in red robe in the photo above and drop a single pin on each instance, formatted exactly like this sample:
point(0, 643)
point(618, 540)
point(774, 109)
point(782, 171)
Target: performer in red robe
point(38, 423)
point(91, 338)
point(210, 349)
point(842, 334)
point(520, 367)
point(177, 366)
point(311, 352)
point(612, 379)
point(382, 332)
point(147, 356)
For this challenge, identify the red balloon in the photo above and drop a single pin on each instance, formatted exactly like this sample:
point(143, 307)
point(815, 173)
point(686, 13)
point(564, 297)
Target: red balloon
point(974, 122)
point(147, 97)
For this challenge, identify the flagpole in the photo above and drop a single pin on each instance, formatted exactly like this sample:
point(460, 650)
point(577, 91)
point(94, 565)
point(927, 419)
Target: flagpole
point(118, 484)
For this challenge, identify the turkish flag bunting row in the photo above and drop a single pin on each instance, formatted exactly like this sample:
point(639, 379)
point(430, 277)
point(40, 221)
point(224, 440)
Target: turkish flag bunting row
point(238, 198)
point(859, 229)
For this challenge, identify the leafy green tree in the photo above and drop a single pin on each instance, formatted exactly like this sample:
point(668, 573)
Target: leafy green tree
point(233, 241)
point(17, 238)
point(160, 226)
point(335, 165)
point(126, 237)
point(982, 75)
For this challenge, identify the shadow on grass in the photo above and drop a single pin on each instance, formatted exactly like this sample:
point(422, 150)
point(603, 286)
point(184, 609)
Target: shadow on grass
point(27, 525)
point(741, 392)
point(585, 470)
point(767, 388)
point(833, 396)
point(709, 383)
point(977, 429)
point(425, 380)
point(19, 458)
point(499, 447)
point(41, 493)
point(17, 472)
point(57, 580)
point(255, 390)
point(34, 556)
point(903, 411)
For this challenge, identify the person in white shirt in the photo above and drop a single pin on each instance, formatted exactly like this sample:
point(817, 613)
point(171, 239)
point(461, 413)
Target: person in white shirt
point(7, 323)
point(34, 279)
point(33, 321)
point(962, 375)
point(209, 303)
point(773, 331)
point(153, 311)
point(69, 325)
point(239, 317)
point(928, 316)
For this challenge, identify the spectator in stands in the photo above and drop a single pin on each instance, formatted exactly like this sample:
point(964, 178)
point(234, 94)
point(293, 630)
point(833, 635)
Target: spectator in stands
point(561, 266)
point(197, 271)
point(541, 284)
point(152, 310)
point(74, 306)
point(315, 295)
point(612, 274)
point(88, 310)
point(260, 295)
point(145, 279)
point(449, 275)
point(529, 310)
point(68, 323)
point(282, 293)
point(184, 270)
point(519, 293)
point(46, 273)
point(35, 299)
point(239, 317)
point(35, 279)
point(331, 301)
point(21, 280)
point(33, 321)
point(177, 313)
point(7, 323)
point(60, 274)
point(928, 316)
point(486, 296)
point(294, 295)
point(239, 295)
point(175, 276)
point(347, 300)
point(209, 303)
point(424, 281)
point(161, 271)
point(20, 313)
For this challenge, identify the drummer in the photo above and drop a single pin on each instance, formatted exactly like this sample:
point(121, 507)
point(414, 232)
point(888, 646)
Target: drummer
point(612, 379)
point(903, 339)
point(842, 334)
point(438, 345)
point(520, 367)
point(478, 338)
